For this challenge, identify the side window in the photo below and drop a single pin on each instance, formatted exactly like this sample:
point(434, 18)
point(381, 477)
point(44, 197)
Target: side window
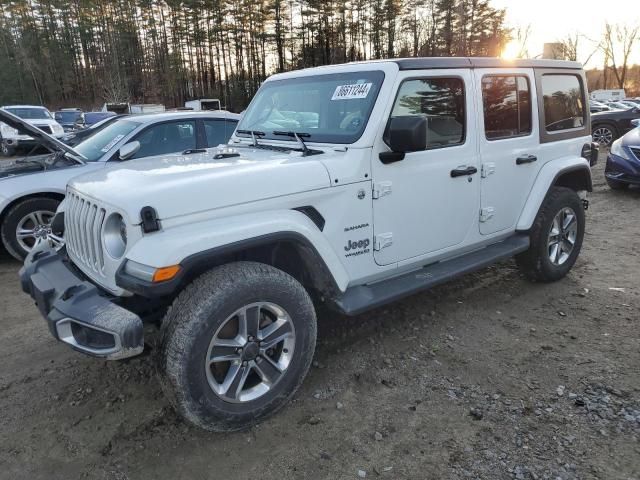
point(563, 102)
point(168, 137)
point(218, 132)
point(507, 106)
point(441, 100)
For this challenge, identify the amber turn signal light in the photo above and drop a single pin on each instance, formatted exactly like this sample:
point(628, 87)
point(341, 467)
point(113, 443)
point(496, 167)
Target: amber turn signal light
point(165, 273)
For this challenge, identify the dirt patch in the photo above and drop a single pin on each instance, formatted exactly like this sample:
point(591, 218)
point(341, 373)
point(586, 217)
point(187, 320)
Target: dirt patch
point(489, 377)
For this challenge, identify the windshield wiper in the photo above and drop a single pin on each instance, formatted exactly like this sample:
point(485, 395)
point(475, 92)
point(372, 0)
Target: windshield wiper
point(298, 137)
point(253, 133)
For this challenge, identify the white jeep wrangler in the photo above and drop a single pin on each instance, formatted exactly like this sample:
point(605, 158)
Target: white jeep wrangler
point(354, 185)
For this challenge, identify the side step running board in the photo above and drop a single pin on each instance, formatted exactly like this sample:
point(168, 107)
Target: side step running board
point(365, 297)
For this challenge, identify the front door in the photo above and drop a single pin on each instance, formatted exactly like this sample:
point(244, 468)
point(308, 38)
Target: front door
point(429, 201)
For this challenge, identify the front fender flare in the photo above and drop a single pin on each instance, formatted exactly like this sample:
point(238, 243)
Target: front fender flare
point(547, 178)
point(193, 244)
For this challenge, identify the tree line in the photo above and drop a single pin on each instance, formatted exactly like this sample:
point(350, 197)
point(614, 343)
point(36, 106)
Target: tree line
point(65, 53)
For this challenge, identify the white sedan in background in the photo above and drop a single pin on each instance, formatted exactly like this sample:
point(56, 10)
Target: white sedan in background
point(31, 188)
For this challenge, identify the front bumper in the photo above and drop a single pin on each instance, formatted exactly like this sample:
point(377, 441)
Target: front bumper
point(622, 170)
point(77, 312)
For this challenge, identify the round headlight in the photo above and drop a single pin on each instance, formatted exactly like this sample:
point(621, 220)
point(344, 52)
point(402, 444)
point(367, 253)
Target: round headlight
point(114, 235)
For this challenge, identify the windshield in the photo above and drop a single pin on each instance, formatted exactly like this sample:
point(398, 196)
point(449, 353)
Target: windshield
point(67, 117)
point(30, 113)
point(331, 108)
point(101, 142)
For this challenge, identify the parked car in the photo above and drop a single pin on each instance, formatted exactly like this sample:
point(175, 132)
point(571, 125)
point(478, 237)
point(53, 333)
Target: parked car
point(608, 126)
point(595, 106)
point(11, 139)
point(71, 119)
point(623, 162)
point(75, 137)
point(32, 188)
point(617, 105)
point(91, 118)
point(355, 185)
point(635, 101)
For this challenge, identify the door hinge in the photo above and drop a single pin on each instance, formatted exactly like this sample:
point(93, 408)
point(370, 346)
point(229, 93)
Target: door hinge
point(382, 240)
point(487, 169)
point(486, 214)
point(381, 189)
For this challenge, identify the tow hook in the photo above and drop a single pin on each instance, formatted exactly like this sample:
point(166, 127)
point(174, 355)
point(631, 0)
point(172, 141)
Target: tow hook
point(585, 204)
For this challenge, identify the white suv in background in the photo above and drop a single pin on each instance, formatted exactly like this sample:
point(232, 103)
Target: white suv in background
point(39, 117)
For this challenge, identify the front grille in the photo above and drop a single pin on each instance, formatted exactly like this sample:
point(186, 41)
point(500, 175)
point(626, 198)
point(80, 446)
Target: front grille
point(635, 151)
point(83, 222)
point(45, 128)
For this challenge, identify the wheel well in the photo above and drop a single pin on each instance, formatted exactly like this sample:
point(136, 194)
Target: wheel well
point(576, 179)
point(603, 123)
point(52, 195)
point(291, 255)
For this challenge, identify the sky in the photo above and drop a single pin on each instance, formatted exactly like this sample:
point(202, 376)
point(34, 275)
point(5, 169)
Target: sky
point(552, 20)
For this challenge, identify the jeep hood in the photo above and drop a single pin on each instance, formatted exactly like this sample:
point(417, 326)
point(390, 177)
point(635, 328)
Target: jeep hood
point(178, 185)
point(24, 127)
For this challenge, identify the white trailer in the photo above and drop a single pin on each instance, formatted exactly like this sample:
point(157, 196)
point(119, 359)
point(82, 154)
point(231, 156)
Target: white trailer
point(146, 108)
point(608, 95)
point(204, 104)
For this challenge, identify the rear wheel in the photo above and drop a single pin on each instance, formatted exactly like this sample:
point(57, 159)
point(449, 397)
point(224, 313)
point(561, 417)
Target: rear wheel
point(604, 134)
point(236, 345)
point(26, 223)
point(556, 237)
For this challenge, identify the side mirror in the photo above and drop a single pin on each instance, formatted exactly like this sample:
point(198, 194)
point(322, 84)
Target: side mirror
point(406, 134)
point(129, 150)
point(635, 122)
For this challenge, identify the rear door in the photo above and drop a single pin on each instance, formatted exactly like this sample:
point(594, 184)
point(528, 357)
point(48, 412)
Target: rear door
point(509, 144)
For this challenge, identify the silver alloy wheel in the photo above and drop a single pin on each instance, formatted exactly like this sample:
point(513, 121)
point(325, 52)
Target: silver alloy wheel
point(250, 352)
point(562, 236)
point(603, 136)
point(33, 227)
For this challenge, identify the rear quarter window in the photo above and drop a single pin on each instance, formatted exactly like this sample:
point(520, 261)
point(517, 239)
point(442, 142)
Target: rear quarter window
point(563, 102)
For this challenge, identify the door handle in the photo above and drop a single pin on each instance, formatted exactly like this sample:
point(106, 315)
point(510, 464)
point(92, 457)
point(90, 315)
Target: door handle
point(526, 159)
point(462, 171)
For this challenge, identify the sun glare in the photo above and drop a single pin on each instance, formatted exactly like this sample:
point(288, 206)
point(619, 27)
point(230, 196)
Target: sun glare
point(511, 50)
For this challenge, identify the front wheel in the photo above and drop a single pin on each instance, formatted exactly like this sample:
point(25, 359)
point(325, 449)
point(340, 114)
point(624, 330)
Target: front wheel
point(236, 345)
point(26, 223)
point(556, 237)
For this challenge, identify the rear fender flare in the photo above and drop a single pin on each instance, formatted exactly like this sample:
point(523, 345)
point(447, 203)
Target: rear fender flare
point(572, 172)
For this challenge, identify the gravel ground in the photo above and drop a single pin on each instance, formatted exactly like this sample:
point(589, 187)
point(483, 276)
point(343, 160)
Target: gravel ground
point(489, 377)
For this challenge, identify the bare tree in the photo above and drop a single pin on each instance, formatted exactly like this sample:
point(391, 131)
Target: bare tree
point(521, 37)
point(571, 46)
point(617, 44)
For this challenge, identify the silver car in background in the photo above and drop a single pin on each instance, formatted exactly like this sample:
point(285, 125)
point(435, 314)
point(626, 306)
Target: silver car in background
point(31, 188)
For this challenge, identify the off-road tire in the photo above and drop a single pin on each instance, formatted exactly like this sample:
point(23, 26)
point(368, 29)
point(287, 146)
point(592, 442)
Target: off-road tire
point(615, 185)
point(15, 214)
point(193, 319)
point(535, 262)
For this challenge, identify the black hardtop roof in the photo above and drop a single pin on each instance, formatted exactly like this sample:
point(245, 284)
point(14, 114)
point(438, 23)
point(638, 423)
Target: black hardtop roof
point(420, 63)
